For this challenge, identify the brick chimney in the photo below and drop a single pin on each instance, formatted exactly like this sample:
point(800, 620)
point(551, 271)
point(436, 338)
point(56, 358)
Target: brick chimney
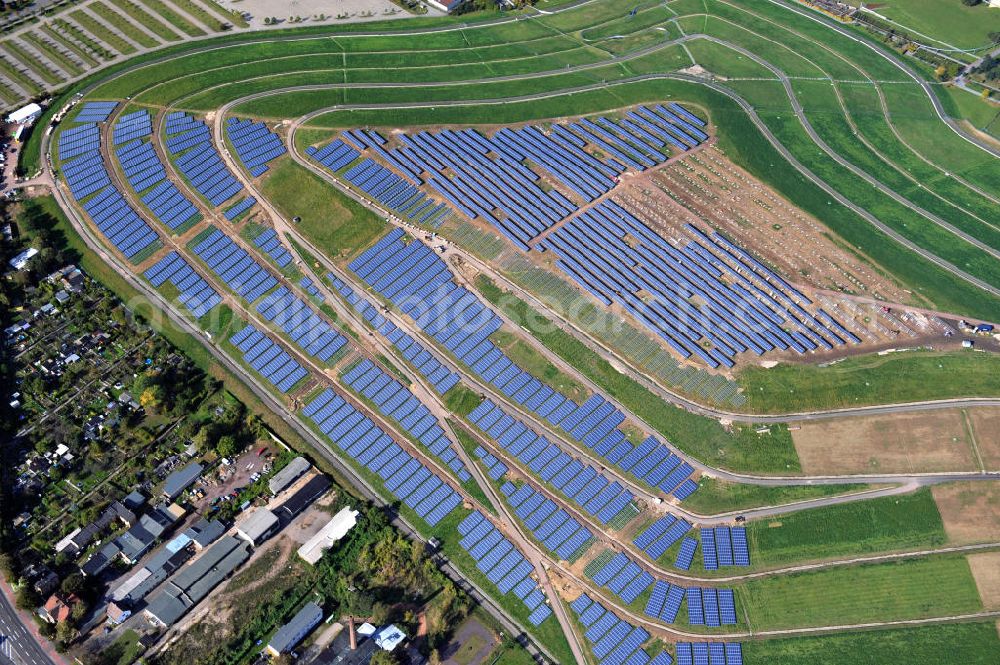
point(354, 636)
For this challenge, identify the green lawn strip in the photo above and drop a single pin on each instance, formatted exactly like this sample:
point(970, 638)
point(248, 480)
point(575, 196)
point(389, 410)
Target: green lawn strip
point(18, 76)
point(724, 61)
point(101, 32)
point(230, 15)
point(872, 379)
point(469, 444)
point(173, 18)
point(960, 25)
point(116, 20)
point(70, 45)
point(143, 16)
point(446, 531)
point(912, 589)
point(538, 366)
point(859, 528)
point(33, 63)
point(197, 11)
point(93, 46)
point(47, 47)
point(460, 400)
point(334, 223)
point(966, 643)
point(739, 448)
point(719, 496)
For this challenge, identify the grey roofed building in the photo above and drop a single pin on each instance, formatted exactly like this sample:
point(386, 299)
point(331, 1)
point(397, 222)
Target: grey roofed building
point(292, 632)
point(288, 475)
point(134, 543)
point(193, 582)
point(135, 500)
point(100, 559)
point(158, 520)
point(295, 504)
point(204, 532)
point(180, 480)
point(258, 526)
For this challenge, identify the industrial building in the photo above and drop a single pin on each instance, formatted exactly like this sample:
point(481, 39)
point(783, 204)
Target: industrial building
point(281, 480)
point(192, 583)
point(289, 635)
point(258, 526)
point(312, 550)
point(180, 480)
point(314, 488)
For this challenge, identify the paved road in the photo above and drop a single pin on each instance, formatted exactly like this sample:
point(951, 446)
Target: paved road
point(19, 642)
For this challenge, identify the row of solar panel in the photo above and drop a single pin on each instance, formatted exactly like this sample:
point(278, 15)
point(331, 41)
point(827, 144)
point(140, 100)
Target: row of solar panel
point(659, 536)
point(335, 155)
point(202, 166)
point(617, 258)
point(311, 288)
point(709, 653)
point(244, 204)
point(613, 640)
point(495, 469)
point(724, 546)
point(178, 121)
point(132, 126)
point(144, 171)
point(95, 112)
point(394, 192)
point(552, 526)
point(86, 175)
point(255, 145)
point(194, 292)
point(363, 441)
point(711, 607)
point(268, 359)
point(440, 377)
point(414, 278)
point(503, 564)
point(270, 244)
point(620, 575)
point(394, 401)
point(589, 489)
point(234, 266)
point(302, 324)
point(78, 140)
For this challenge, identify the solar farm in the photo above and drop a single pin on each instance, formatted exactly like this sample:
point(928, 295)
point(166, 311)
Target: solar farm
point(561, 309)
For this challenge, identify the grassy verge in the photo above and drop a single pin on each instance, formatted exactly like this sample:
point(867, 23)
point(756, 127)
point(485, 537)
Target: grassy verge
point(852, 529)
point(893, 378)
point(118, 22)
point(102, 33)
point(336, 224)
point(738, 449)
point(535, 363)
point(461, 400)
point(173, 18)
point(913, 589)
point(143, 17)
point(718, 496)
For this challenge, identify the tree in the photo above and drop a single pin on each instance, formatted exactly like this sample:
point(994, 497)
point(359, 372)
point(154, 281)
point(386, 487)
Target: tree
point(74, 584)
point(151, 398)
point(226, 447)
point(65, 633)
point(26, 598)
point(387, 658)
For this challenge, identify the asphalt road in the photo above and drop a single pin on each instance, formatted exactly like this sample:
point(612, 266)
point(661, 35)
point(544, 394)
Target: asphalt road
point(18, 642)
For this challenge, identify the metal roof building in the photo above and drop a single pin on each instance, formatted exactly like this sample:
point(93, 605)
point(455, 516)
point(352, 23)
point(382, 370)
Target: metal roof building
point(258, 526)
point(309, 492)
point(292, 632)
point(288, 475)
point(334, 530)
point(180, 480)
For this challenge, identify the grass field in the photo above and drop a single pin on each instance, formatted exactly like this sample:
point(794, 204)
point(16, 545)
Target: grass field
point(718, 496)
point(896, 377)
point(966, 643)
point(336, 224)
point(911, 589)
point(885, 524)
point(951, 23)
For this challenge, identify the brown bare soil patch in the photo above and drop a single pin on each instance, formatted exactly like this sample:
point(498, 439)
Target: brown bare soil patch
point(986, 426)
point(986, 571)
point(970, 511)
point(899, 443)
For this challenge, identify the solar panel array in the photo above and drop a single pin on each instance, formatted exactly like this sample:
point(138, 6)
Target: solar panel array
point(685, 555)
point(711, 607)
point(335, 155)
point(302, 324)
point(709, 653)
point(268, 359)
point(95, 112)
point(580, 482)
point(620, 575)
point(503, 564)
point(418, 281)
point(394, 401)
point(551, 525)
point(237, 209)
point(613, 641)
point(495, 469)
point(195, 293)
point(198, 159)
point(89, 183)
point(659, 536)
point(132, 126)
point(311, 288)
point(270, 244)
point(665, 601)
point(255, 144)
point(439, 376)
point(748, 307)
point(405, 477)
point(234, 266)
point(724, 546)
